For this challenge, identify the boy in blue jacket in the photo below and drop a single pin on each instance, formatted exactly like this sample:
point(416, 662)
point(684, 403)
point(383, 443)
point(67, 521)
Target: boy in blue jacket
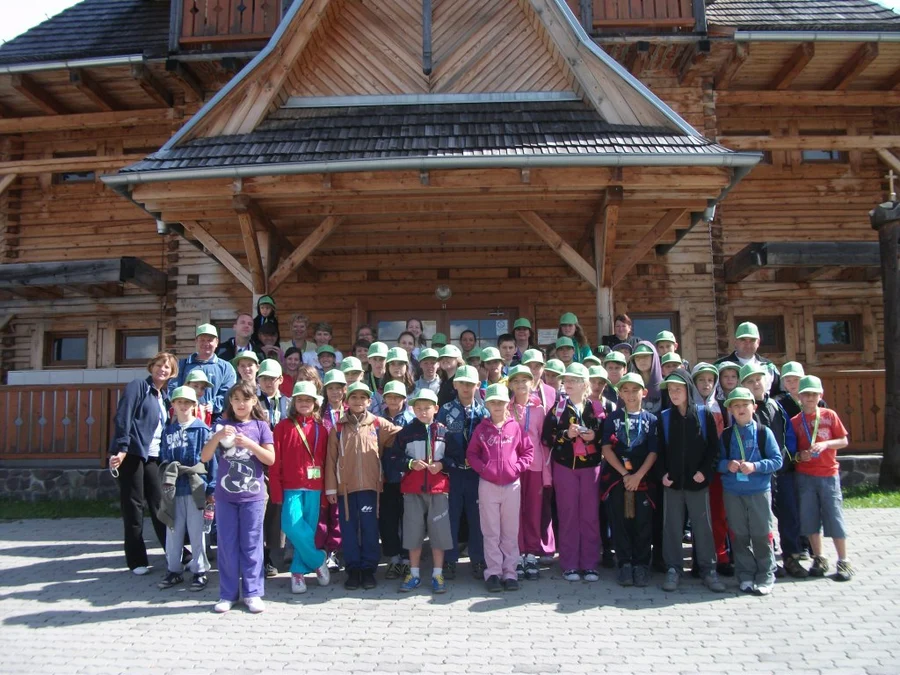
point(195, 482)
point(749, 458)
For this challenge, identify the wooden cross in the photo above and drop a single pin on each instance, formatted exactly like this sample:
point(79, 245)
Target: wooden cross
point(892, 193)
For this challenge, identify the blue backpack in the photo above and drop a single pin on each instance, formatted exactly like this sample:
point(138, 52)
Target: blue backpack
point(701, 415)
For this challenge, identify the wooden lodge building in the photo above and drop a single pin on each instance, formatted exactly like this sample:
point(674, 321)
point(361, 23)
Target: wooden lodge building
point(695, 164)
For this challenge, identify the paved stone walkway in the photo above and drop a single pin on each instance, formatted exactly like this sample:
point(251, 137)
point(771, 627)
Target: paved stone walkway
point(67, 606)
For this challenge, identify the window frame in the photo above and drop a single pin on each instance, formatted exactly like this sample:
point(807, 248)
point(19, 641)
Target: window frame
point(780, 346)
point(123, 335)
point(50, 339)
point(838, 156)
point(854, 322)
point(674, 317)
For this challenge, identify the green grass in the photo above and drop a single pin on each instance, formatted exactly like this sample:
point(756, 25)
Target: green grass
point(18, 510)
point(870, 496)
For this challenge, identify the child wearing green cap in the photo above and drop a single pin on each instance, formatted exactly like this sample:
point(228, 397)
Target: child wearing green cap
point(323, 336)
point(534, 359)
point(603, 408)
point(328, 534)
point(428, 366)
point(616, 365)
point(493, 366)
point(748, 458)
point(820, 434)
point(376, 366)
point(450, 360)
point(645, 362)
point(265, 316)
point(398, 369)
point(553, 373)
point(565, 351)
point(570, 328)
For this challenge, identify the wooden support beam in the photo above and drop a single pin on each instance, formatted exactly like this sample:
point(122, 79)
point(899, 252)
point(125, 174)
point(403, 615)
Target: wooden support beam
point(83, 273)
point(802, 275)
point(687, 70)
point(802, 99)
point(92, 91)
point(219, 252)
point(892, 81)
point(5, 319)
point(637, 58)
point(303, 251)
point(646, 244)
point(254, 257)
point(854, 66)
point(63, 164)
point(566, 252)
point(731, 67)
point(886, 156)
point(151, 86)
point(604, 235)
point(120, 118)
point(801, 254)
point(809, 142)
point(792, 68)
point(181, 72)
point(31, 90)
point(612, 196)
point(6, 181)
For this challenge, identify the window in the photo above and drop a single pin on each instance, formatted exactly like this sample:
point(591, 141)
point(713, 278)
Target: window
point(647, 325)
point(822, 156)
point(771, 332)
point(66, 350)
point(72, 177)
point(226, 331)
point(839, 333)
point(136, 347)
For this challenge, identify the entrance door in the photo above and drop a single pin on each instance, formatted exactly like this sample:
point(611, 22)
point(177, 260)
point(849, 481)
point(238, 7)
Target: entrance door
point(488, 324)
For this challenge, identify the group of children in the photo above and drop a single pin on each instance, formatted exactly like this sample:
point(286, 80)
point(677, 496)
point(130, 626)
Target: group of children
point(605, 460)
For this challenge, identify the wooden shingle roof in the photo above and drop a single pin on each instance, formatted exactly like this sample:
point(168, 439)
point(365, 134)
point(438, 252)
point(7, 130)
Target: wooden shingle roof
point(856, 15)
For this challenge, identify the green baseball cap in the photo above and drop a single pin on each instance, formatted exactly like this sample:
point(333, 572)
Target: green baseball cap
point(555, 366)
point(615, 357)
point(665, 336)
point(325, 349)
point(497, 392)
point(270, 368)
point(564, 342)
point(306, 388)
point(811, 384)
point(359, 388)
point(206, 329)
point(674, 377)
point(522, 323)
point(351, 364)
point(438, 340)
point(490, 354)
point(197, 375)
point(739, 394)
point(532, 356)
point(466, 374)
point(592, 361)
point(248, 355)
point(748, 329)
point(266, 300)
point(792, 369)
point(631, 378)
point(598, 372)
point(671, 357)
point(749, 369)
point(577, 370)
point(516, 371)
point(395, 387)
point(642, 349)
point(704, 367)
point(729, 365)
point(397, 354)
point(476, 353)
point(449, 352)
point(428, 353)
point(334, 376)
point(185, 393)
point(423, 394)
point(568, 317)
point(378, 350)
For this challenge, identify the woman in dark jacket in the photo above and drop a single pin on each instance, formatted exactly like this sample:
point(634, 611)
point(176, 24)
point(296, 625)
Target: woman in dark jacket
point(134, 455)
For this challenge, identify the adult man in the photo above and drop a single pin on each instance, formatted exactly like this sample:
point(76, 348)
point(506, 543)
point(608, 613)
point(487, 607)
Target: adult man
point(299, 324)
point(218, 371)
point(746, 342)
point(242, 340)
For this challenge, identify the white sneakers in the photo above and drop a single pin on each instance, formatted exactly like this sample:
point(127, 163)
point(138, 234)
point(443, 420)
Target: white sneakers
point(255, 605)
point(323, 574)
point(223, 606)
point(140, 571)
point(298, 583)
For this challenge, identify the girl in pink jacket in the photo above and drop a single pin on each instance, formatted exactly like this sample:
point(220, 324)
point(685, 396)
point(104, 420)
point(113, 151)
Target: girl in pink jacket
point(499, 452)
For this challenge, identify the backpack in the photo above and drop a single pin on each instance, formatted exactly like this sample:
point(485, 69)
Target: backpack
point(760, 439)
point(701, 416)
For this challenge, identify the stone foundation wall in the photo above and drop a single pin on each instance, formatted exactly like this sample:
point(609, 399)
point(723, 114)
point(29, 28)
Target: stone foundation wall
point(859, 469)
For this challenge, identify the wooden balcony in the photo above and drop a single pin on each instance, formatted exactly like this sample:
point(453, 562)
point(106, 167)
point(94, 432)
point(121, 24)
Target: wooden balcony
point(613, 16)
point(196, 22)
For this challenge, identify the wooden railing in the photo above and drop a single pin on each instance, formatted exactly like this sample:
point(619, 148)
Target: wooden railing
point(227, 20)
point(57, 421)
point(642, 14)
point(857, 396)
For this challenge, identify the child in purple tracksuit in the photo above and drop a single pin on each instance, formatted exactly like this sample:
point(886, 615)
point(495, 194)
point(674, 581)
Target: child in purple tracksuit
point(499, 453)
point(242, 444)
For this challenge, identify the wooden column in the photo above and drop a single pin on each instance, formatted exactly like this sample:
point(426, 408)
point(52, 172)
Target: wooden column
point(604, 244)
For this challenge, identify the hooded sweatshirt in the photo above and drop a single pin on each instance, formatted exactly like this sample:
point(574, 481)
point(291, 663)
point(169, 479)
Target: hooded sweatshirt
point(355, 445)
point(184, 445)
point(770, 414)
point(654, 394)
point(416, 441)
point(531, 420)
point(572, 453)
point(461, 422)
point(500, 454)
point(392, 472)
point(767, 461)
point(298, 465)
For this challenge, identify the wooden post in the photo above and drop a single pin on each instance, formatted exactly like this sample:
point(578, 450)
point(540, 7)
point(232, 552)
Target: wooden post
point(604, 243)
point(885, 218)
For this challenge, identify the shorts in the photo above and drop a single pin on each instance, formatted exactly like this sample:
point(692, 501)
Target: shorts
point(423, 512)
point(821, 505)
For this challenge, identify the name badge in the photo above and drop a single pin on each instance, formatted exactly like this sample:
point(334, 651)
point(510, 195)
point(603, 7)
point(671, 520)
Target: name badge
point(313, 472)
point(741, 477)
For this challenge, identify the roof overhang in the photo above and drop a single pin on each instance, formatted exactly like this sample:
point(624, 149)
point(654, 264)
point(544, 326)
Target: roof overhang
point(807, 257)
point(96, 278)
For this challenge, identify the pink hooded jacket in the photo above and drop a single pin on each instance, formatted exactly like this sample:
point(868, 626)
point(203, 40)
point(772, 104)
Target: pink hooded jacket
point(531, 421)
point(501, 455)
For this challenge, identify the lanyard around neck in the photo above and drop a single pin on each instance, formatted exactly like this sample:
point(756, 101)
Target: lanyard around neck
point(740, 441)
point(303, 438)
point(812, 436)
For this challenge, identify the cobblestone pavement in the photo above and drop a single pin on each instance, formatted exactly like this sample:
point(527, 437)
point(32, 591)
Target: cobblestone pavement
point(67, 605)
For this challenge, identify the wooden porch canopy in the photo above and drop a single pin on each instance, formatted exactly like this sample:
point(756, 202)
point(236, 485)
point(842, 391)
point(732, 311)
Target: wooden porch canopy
point(804, 260)
point(94, 278)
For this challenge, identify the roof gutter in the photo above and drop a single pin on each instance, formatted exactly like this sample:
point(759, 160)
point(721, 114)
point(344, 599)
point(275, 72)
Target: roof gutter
point(98, 62)
point(735, 160)
point(815, 36)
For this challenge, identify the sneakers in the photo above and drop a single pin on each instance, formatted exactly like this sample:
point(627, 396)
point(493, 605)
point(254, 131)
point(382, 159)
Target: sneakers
point(746, 587)
point(779, 572)
point(410, 583)
point(626, 575)
point(845, 571)
point(353, 580)
point(449, 570)
point(793, 567)
point(171, 579)
point(223, 606)
point(520, 568)
point(642, 576)
point(404, 569)
point(333, 562)
point(298, 583)
point(368, 580)
point(141, 571)
point(478, 570)
point(493, 584)
point(394, 571)
point(255, 605)
point(763, 590)
point(572, 575)
point(591, 575)
point(323, 574)
point(819, 567)
point(438, 585)
point(725, 569)
point(511, 584)
point(713, 583)
point(532, 572)
point(271, 571)
point(672, 578)
point(199, 582)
